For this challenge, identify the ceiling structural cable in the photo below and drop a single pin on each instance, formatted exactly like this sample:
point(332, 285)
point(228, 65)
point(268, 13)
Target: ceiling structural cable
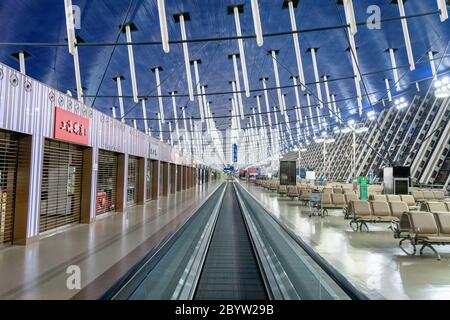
point(334, 79)
point(267, 35)
point(236, 10)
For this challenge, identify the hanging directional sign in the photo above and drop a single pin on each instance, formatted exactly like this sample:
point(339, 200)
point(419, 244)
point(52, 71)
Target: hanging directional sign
point(235, 157)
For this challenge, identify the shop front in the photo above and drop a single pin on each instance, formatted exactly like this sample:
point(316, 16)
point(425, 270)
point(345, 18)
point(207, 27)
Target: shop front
point(164, 179)
point(9, 150)
point(152, 180)
point(133, 180)
point(62, 171)
point(107, 173)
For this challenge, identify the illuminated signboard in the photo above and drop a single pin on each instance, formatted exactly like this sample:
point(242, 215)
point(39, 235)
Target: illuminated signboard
point(71, 127)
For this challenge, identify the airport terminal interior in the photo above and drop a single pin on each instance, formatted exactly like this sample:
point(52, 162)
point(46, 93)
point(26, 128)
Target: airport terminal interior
point(224, 150)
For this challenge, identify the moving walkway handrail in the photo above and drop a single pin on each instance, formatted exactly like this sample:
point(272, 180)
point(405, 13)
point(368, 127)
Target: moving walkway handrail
point(154, 253)
point(345, 285)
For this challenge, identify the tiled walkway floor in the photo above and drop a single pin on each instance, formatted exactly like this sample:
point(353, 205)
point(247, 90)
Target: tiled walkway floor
point(370, 260)
point(38, 271)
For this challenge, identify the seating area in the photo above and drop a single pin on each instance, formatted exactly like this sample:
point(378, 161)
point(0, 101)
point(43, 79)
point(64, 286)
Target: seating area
point(427, 195)
point(427, 229)
point(375, 211)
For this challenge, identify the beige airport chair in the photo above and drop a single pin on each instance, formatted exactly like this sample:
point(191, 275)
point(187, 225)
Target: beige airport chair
point(393, 197)
point(381, 212)
point(349, 191)
point(304, 196)
point(378, 197)
point(418, 195)
point(439, 195)
point(282, 190)
point(327, 190)
point(428, 195)
point(433, 206)
point(398, 208)
point(361, 211)
point(410, 201)
point(348, 205)
point(292, 192)
point(423, 228)
point(338, 190)
point(338, 200)
point(326, 201)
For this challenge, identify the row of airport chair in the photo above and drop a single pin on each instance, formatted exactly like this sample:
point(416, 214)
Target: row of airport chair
point(409, 199)
point(427, 195)
point(363, 212)
point(424, 228)
point(435, 207)
point(338, 201)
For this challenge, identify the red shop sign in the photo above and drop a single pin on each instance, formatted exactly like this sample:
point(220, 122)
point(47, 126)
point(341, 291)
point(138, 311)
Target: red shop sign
point(71, 127)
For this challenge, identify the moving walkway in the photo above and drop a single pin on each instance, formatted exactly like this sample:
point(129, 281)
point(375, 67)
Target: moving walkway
point(232, 248)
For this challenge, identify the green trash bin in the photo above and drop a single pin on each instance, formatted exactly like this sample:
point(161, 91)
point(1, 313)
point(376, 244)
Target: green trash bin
point(363, 188)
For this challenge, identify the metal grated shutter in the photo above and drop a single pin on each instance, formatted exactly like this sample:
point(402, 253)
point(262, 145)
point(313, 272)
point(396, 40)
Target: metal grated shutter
point(132, 180)
point(106, 182)
point(9, 147)
point(61, 185)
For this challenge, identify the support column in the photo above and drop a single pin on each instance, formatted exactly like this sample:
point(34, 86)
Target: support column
point(23, 184)
point(86, 186)
point(165, 179)
point(184, 178)
point(179, 178)
point(173, 178)
point(141, 181)
point(120, 183)
point(155, 180)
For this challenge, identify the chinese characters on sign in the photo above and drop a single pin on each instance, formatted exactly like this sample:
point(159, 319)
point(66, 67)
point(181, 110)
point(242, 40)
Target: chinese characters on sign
point(71, 127)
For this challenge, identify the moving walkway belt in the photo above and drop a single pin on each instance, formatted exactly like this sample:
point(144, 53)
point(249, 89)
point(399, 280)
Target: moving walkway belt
point(230, 270)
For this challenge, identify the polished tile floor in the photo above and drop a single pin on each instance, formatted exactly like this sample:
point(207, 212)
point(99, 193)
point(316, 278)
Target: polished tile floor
point(372, 261)
point(38, 271)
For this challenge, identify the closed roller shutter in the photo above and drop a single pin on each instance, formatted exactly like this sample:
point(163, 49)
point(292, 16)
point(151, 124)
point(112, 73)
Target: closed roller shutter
point(8, 167)
point(61, 185)
point(106, 182)
point(133, 171)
